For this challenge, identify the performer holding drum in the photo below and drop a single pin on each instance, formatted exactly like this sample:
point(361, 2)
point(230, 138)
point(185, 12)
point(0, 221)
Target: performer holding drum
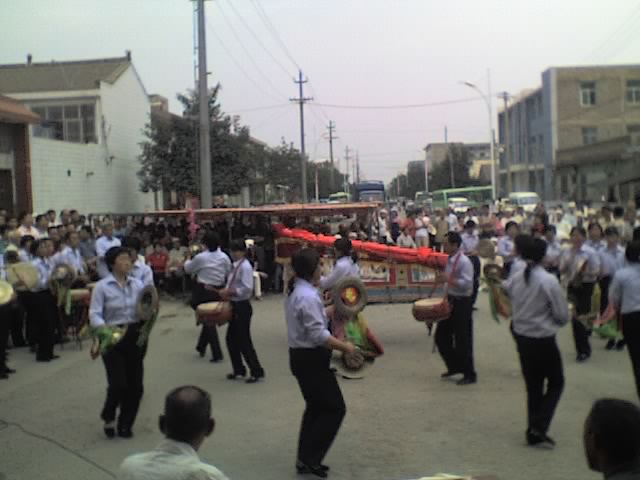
point(624, 294)
point(239, 290)
point(581, 265)
point(310, 345)
point(539, 309)
point(113, 306)
point(43, 306)
point(454, 336)
point(211, 269)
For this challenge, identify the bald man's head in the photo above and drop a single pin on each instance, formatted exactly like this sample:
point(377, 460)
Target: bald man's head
point(187, 415)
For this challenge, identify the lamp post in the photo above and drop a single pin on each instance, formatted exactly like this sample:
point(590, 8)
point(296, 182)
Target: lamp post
point(487, 100)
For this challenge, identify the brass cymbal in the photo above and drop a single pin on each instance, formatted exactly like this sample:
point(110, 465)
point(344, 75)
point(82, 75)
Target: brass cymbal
point(6, 292)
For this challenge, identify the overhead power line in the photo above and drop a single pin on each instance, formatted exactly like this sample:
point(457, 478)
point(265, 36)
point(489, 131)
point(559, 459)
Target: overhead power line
point(276, 61)
point(257, 109)
point(397, 107)
point(273, 31)
point(246, 51)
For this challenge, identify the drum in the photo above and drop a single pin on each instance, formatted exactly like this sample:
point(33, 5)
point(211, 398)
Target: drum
point(214, 313)
point(486, 249)
point(22, 276)
point(80, 295)
point(429, 310)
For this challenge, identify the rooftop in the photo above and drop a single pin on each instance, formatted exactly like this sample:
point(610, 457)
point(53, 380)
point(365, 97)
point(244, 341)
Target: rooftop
point(12, 111)
point(61, 76)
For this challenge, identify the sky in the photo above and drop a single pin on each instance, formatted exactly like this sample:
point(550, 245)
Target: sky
point(355, 53)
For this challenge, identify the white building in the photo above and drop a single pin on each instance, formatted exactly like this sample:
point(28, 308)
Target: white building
point(85, 153)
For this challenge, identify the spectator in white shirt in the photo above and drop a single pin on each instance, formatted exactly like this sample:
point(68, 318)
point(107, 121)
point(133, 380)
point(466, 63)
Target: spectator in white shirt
point(454, 224)
point(26, 226)
point(186, 423)
point(103, 244)
point(42, 225)
point(405, 240)
point(51, 217)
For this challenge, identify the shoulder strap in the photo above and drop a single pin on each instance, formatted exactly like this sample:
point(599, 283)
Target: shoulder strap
point(235, 271)
point(453, 270)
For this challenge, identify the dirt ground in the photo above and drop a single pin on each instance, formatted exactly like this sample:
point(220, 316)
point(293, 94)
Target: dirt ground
point(402, 422)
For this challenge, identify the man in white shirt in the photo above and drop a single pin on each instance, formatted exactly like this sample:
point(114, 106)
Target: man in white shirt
point(26, 226)
point(454, 224)
point(186, 423)
point(103, 244)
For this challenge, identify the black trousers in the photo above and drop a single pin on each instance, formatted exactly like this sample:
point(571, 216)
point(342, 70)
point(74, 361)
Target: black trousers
point(45, 312)
point(325, 408)
point(125, 373)
point(208, 334)
point(454, 337)
point(604, 293)
point(541, 362)
point(30, 316)
point(475, 261)
point(631, 330)
point(239, 343)
point(581, 297)
point(5, 311)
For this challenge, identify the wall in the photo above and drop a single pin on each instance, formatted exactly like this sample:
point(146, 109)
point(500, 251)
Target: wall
point(126, 110)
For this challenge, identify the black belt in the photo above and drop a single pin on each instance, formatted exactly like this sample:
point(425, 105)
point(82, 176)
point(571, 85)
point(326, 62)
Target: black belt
point(206, 285)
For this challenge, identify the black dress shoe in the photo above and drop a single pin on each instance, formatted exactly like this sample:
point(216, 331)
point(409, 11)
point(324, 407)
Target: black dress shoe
point(43, 359)
point(235, 376)
point(467, 381)
point(317, 471)
point(9, 370)
point(216, 360)
point(449, 374)
point(620, 345)
point(302, 469)
point(109, 430)
point(610, 344)
point(125, 433)
point(540, 440)
point(201, 352)
point(55, 357)
point(254, 379)
point(582, 357)
point(3, 375)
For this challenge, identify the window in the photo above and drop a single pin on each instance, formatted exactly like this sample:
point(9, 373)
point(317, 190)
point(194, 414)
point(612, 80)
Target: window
point(589, 135)
point(633, 91)
point(71, 123)
point(587, 94)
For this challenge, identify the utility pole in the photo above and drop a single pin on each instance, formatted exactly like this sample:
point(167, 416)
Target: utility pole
point(446, 141)
point(426, 172)
point(317, 185)
point(357, 167)
point(203, 99)
point(346, 177)
point(302, 100)
point(507, 139)
point(331, 127)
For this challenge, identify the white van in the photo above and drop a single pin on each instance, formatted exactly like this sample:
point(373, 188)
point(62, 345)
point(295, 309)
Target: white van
point(527, 200)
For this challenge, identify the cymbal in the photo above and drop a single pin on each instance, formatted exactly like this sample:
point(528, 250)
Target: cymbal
point(22, 272)
point(6, 292)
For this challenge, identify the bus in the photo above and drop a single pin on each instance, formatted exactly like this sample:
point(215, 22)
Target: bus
point(339, 197)
point(464, 198)
point(527, 200)
point(371, 191)
point(421, 200)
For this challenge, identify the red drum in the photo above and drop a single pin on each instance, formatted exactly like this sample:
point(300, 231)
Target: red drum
point(214, 313)
point(431, 310)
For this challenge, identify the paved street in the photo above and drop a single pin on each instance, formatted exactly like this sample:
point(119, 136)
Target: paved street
point(403, 422)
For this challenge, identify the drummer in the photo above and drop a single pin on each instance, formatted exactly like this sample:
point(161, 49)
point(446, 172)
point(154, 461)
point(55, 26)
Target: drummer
point(211, 269)
point(470, 240)
point(43, 303)
point(346, 266)
point(454, 336)
point(113, 304)
point(505, 245)
point(580, 256)
point(539, 309)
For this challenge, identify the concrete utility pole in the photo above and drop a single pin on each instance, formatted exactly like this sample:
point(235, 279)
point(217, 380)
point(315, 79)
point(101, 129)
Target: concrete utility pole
point(426, 172)
point(332, 128)
point(507, 139)
point(302, 100)
point(317, 185)
point(346, 176)
point(206, 199)
point(357, 167)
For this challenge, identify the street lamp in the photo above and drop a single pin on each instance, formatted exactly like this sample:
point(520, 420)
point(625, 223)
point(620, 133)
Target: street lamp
point(487, 100)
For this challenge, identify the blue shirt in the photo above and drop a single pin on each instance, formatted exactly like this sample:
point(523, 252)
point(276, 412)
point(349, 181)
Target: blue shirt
point(554, 251)
point(142, 272)
point(44, 267)
point(344, 267)
point(505, 248)
point(597, 246)
point(71, 257)
point(539, 307)
point(307, 323)
point(611, 260)
point(112, 304)
point(240, 282)
point(469, 242)
point(572, 258)
point(212, 268)
point(461, 280)
point(625, 289)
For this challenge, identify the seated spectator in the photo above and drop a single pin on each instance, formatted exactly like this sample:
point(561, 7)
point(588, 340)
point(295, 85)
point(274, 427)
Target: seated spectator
point(612, 439)
point(186, 423)
point(158, 261)
point(405, 240)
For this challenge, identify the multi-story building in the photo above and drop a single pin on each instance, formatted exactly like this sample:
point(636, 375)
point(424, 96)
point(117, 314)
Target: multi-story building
point(85, 152)
point(479, 156)
point(575, 137)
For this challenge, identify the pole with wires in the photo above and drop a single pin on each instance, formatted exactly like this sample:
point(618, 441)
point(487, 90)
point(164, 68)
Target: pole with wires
point(301, 100)
point(203, 99)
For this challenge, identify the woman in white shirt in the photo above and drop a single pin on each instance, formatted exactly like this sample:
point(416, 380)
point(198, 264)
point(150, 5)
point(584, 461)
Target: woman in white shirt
point(422, 232)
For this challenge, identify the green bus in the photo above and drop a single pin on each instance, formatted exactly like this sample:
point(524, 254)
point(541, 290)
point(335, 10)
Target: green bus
point(461, 199)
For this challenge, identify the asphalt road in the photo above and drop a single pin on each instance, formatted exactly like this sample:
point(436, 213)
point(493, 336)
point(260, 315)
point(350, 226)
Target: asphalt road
point(403, 422)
